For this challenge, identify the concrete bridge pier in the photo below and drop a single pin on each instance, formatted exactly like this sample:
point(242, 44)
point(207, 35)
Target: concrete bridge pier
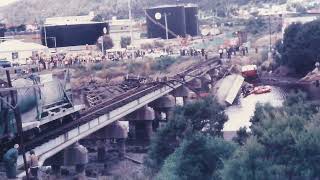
point(184, 92)
point(140, 123)
point(76, 155)
point(165, 104)
point(116, 130)
point(195, 85)
point(56, 161)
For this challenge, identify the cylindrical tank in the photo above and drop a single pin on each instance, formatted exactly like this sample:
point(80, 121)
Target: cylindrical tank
point(27, 97)
point(51, 92)
point(175, 16)
point(192, 24)
point(2, 31)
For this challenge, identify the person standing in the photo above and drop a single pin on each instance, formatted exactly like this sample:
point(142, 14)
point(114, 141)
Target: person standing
point(225, 51)
point(34, 165)
point(220, 53)
point(243, 51)
point(229, 51)
point(10, 161)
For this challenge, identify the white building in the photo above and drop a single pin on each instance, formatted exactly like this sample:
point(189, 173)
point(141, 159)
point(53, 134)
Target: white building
point(287, 21)
point(69, 19)
point(17, 51)
point(121, 28)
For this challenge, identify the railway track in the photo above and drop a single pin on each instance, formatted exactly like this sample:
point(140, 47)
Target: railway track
point(116, 102)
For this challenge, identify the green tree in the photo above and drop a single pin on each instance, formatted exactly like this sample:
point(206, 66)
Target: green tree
point(284, 144)
point(205, 116)
point(246, 163)
point(301, 44)
point(125, 41)
point(198, 157)
point(242, 136)
point(107, 42)
point(256, 25)
point(163, 63)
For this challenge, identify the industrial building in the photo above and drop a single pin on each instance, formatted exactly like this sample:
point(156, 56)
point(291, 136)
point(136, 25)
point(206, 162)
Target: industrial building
point(192, 23)
point(72, 31)
point(18, 52)
point(171, 21)
point(121, 28)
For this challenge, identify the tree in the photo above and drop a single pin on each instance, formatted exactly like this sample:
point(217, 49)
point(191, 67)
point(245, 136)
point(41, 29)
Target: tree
point(205, 116)
point(107, 42)
point(198, 157)
point(242, 136)
point(300, 48)
point(284, 144)
point(125, 41)
point(98, 18)
point(256, 25)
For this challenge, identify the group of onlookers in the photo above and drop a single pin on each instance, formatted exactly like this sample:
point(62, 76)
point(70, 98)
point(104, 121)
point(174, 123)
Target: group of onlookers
point(229, 51)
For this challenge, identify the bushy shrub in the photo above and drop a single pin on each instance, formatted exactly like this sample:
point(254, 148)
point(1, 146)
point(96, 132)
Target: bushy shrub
point(125, 41)
point(163, 63)
point(97, 67)
point(132, 67)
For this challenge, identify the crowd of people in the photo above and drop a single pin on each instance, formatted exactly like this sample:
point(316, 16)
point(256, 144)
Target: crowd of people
point(229, 51)
point(62, 59)
point(57, 60)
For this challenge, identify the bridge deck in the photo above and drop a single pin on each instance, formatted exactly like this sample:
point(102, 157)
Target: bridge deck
point(104, 114)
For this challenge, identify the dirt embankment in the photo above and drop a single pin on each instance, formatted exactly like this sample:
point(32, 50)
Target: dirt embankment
point(113, 72)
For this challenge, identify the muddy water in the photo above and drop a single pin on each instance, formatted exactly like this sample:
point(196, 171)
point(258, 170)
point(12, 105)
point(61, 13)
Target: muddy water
point(240, 113)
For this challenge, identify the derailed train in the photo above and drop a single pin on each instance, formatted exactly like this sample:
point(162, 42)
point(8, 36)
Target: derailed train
point(43, 107)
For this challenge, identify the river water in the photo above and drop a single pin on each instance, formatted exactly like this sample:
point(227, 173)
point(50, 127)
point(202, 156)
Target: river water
point(240, 113)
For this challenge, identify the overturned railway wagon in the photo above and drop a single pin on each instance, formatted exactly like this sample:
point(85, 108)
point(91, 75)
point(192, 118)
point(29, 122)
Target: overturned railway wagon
point(44, 104)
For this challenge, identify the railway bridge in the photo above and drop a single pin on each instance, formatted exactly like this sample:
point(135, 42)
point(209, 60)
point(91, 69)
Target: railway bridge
point(130, 103)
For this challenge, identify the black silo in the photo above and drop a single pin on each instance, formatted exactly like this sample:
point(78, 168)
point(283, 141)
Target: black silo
point(192, 24)
point(2, 29)
point(175, 19)
point(73, 34)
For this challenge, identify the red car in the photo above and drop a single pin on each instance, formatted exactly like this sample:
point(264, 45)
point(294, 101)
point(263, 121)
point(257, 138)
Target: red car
point(249, 71)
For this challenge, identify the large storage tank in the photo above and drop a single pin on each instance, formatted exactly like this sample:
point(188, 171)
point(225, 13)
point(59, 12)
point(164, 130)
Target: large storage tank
point(51, 92)
point(192, 24)
point(2, 29)
point(175, 20)
point(73, 34)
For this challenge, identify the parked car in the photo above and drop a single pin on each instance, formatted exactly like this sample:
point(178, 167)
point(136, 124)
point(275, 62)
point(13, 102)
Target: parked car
point(4, 63)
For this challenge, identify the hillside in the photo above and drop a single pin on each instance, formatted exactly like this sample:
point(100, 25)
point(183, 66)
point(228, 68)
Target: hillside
point(30, 11)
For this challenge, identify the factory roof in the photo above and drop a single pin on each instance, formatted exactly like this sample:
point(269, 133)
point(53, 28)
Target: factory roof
point(69, 20)
point(17, 46)
point(165, 6)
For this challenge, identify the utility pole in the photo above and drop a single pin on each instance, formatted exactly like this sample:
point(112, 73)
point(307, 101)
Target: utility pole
point(130, 19)
point(102, 40)
point(166, 23)
point(270, 7)
point(17, 115)
point(45, 35)
point(269, 32)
